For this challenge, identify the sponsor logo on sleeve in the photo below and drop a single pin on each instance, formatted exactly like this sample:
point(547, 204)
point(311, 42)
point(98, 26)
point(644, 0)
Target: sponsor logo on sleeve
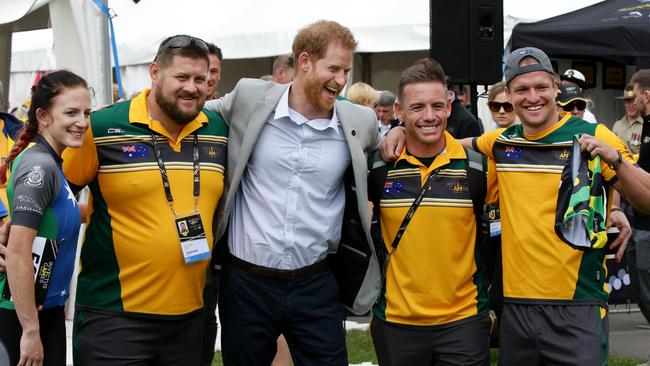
point(35, 177)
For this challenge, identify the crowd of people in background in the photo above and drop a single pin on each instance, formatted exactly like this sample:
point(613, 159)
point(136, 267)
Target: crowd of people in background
point(296, 199)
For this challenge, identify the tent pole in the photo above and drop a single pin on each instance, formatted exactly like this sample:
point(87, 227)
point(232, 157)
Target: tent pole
point(106, 72)
point(5, 64)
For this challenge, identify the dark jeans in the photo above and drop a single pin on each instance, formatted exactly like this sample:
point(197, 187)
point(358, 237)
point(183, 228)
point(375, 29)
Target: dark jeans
point(255, 310)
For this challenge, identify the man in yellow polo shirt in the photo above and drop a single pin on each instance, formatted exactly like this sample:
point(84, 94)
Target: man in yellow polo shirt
point(554, 296)
point(154, 166)
point(433, 308)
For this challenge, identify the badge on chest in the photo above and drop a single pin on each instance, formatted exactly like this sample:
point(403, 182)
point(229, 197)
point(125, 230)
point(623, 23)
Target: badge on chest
point(191, 235)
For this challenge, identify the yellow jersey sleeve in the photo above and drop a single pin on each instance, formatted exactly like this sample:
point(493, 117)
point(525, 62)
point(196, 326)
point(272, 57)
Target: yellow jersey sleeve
point(80, 164)
point(492, 195)
point(607, 136)
point(485, 142)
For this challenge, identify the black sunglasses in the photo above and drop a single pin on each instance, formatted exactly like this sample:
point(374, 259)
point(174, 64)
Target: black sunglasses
point(181, 41)
point(580, 104)
point(496, 107)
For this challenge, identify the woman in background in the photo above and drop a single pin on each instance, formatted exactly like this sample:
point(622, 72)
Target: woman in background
point(502, 111)
point(362, 93)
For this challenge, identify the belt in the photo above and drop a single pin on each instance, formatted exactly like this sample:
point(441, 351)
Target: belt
point(278, 274)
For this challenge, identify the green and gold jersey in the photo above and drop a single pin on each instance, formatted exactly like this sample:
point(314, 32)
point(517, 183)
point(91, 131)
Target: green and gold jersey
point(435, 275)
point(537, 266)
point(131, 259)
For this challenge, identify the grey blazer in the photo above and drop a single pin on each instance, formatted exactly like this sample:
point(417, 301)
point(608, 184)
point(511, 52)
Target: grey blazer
point(246, 110)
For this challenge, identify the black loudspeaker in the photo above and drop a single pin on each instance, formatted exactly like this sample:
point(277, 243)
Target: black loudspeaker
point(467, 39)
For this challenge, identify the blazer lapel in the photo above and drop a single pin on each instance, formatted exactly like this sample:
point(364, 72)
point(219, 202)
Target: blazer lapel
point(261, 110)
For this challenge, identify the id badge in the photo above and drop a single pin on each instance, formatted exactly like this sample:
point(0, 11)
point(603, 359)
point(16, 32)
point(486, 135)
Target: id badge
point(494, 218)
point(194, 242)
point(495, 228)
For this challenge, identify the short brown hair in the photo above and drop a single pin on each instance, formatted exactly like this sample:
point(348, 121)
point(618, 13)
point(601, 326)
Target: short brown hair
point(495, 90)
point(284, 62)
point(315, 38)
point(642, 77)
point(192, 47)
point(422, 71)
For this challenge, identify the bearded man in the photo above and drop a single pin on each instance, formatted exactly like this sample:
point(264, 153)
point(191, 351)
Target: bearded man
point(155, 168)
point(294, 152)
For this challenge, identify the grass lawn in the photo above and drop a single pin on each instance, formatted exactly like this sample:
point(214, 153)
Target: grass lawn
point(360, 350)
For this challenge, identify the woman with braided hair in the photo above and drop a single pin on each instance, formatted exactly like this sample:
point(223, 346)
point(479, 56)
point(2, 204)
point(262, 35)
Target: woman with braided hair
point(45, 223)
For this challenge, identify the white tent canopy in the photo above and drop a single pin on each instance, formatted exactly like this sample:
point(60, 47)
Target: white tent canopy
point(248, 29)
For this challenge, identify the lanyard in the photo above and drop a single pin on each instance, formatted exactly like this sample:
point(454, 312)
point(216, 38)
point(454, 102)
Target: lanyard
point(196, 170)
point(411, 211)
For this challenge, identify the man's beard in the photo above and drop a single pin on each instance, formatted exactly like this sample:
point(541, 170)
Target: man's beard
point(168, 106)
point(314, 92)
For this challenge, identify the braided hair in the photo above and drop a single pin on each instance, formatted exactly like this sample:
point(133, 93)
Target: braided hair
point(48, 87)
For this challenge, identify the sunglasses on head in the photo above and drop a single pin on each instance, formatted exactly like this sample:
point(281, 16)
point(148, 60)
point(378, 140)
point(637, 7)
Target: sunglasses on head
point(181, 41)
point(580, 104)
point(496, 107)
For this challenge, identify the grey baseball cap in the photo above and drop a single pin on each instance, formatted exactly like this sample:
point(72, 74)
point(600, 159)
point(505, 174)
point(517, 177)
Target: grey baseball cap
point(512, 64)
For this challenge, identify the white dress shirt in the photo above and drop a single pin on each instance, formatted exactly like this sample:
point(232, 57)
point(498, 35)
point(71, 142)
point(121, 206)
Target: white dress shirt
point(383, 129)
point(288, 211)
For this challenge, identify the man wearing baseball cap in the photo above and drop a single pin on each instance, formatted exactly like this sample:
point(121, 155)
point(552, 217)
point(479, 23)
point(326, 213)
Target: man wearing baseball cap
point(550, 288)
point(571, 99)
point(576, 77)
point(628, 127)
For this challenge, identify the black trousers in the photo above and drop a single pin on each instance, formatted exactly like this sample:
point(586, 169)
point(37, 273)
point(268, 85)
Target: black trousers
point(52, 326)
point(465, 342)
point(254, 310)
point(108, 339)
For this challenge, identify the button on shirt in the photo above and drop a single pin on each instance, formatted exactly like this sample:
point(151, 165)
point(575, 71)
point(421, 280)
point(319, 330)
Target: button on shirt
point(288, 211)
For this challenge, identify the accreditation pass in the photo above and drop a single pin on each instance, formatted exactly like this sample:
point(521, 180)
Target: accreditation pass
point(194, 242)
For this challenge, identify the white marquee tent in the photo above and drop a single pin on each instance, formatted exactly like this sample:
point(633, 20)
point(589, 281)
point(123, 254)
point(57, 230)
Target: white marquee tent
point(391, 34)
point(76, 40)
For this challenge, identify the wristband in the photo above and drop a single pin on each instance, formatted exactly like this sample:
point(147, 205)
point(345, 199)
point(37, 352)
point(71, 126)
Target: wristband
point(616, 209)
point(617, 163)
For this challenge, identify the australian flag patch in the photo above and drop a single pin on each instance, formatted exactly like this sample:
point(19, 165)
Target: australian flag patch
point(135, 151)
point(393, 187)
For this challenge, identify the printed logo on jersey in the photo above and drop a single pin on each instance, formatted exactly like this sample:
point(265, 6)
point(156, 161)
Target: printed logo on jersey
point(393, 187)
point(135, 151)
point(30, 201)
point(115, 131)
point(564, 155)
point(457, 187)
point(210, 152)
point(512, 152)
point(35, 177)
